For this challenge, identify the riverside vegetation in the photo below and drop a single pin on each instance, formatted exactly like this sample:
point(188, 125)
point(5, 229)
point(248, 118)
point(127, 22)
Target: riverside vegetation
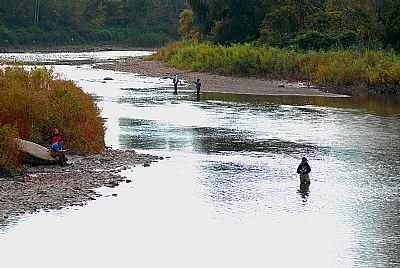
point(33, 102)
point(345, 71)
point(147, 23)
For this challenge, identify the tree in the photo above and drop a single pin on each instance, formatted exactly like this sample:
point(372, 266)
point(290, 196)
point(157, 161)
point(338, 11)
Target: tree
point(378, 20)
point(202, 17)
point(186, 27)
point(17, 13)
point(228, 21)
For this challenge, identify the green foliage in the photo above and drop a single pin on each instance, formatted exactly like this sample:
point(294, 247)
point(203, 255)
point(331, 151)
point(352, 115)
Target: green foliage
point(307, 24)
point(186, 27)
point(228, 21)
point(124, 36)
point(313, 40)
point(48, 22)
point(378, 22)
point(36, 101)
point(347, 39)
point(370, 70)
point(9, 158)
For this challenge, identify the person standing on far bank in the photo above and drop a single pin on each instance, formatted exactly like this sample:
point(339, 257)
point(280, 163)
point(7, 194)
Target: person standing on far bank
point(198, 86)
point(303, 169)
point(175, 80)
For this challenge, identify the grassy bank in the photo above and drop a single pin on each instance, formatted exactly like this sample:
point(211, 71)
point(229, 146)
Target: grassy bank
point(33, 102)
point(351, 72)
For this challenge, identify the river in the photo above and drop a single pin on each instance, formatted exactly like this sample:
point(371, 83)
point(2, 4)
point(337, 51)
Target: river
point(227, 193)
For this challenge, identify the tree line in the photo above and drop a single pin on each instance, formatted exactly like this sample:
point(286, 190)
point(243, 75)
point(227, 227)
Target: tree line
point(75, 21)
point(305, 24)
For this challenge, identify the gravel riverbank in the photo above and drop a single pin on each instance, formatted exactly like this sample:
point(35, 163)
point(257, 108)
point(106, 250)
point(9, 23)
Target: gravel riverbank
point(55, 187)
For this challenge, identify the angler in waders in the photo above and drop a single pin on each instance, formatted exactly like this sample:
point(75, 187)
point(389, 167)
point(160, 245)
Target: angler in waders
point(303, 169)
point(175, 80)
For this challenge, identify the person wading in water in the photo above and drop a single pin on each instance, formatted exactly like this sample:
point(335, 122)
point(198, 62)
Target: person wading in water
point(175, 80)
point(303, 169)
point(198, 86)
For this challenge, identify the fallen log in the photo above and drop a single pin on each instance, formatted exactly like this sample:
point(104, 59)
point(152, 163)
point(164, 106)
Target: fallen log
point(35, 154)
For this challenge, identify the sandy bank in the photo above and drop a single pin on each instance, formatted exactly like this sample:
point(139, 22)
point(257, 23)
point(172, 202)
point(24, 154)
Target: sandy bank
point(216, 83)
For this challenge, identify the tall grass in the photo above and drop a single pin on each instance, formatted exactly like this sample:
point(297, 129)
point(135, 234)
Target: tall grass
point(35, 101)
point(372, 71)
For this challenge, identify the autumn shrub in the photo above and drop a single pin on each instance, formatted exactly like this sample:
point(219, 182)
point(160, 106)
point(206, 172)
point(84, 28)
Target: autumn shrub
point(9, 150)
point(369, 69)
point(36, 101)
point(165, 52)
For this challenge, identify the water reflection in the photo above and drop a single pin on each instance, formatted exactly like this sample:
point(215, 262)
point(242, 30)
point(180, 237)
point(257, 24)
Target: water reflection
point(304, 191)
point(384, 105)
point(149, 135)
point(251, 143)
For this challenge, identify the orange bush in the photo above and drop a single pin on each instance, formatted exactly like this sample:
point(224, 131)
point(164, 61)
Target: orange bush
point(36, 101)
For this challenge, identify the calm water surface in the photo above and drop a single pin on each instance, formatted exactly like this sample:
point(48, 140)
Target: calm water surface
point(226, 194)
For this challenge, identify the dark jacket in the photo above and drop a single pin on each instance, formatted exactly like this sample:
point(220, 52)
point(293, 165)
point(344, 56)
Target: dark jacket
point(304, 168)
point(198, 85)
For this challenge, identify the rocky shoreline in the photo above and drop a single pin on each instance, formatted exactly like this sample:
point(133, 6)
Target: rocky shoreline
point(54, 187)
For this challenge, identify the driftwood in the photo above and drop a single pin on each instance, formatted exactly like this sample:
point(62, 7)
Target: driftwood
point(35, 154)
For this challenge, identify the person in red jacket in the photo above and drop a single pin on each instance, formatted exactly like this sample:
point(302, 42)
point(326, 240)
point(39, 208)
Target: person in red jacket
point(55, 136)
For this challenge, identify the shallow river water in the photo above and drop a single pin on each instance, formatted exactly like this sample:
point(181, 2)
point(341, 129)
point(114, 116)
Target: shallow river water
point(227, 193)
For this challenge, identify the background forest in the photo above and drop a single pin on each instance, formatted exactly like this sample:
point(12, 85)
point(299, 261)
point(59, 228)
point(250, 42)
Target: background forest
point(303, 24)
point(306, 24)
point(59, 22)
